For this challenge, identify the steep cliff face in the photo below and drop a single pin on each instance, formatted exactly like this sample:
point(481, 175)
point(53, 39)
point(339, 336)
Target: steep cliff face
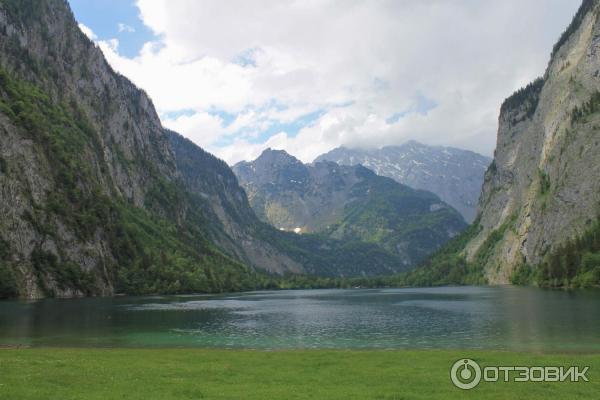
point(454, 175)
point(60, 98)
point(230, 220)
point(347, 203)
point(92, 197)
point(543, 186)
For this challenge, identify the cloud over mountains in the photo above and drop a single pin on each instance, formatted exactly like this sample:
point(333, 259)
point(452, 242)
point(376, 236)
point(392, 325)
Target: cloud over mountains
point(307, 76)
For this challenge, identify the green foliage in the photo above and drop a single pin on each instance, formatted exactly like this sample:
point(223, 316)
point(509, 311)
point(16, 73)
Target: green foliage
point(8, 281)
point(522, 275)
point(392, 214)
point(328, 257)
point(487, 248)
point(67, 275)
point(22, 12)
point(589, 107)
point(155, 256)
point(65, 137)
point(449, 265)
point(164, 195)
point(4, 249)
point(586, 6)
point(575, 263)
point(545, 186)
point(544, 182)
point(527, 97)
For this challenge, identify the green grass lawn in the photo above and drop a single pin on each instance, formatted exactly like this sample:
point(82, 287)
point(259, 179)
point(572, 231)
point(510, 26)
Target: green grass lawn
point(48, 373)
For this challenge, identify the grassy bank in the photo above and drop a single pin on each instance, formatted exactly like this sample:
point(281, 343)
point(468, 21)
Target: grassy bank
point(245, 374)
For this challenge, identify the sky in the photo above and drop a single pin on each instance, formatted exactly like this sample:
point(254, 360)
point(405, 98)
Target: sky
point(306, 76)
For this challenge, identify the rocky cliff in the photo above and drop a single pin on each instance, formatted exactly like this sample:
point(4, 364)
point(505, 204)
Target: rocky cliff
point(90, 197)
point(96, 198)
point(455, 175)
point(347, 203)
point(543, 186)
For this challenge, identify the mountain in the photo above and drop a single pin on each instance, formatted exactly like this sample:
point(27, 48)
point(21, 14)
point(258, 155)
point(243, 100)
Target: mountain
point(540, 201)
point(455, 175)
point(97, 198)
point(91, 201)
point(234, 227)
point(347, 203)
point(543, 187)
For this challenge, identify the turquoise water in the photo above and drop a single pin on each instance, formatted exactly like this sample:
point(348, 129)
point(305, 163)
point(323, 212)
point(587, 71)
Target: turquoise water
point(512, 318)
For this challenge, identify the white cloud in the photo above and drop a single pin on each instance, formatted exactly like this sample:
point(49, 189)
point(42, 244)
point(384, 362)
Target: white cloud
point(176, 83)
point(110, 45)
point(125, 28)
point(87, 32)
point(201, 128)
point(270, 62)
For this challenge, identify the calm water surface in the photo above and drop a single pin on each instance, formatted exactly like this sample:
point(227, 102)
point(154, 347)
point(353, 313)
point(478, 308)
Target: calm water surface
point(449, 317)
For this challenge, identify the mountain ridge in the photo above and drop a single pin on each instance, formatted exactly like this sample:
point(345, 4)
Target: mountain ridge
point(347, 202)
point(455, 175)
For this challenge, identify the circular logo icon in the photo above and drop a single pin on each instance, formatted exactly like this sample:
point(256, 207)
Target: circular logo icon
point(465, 374)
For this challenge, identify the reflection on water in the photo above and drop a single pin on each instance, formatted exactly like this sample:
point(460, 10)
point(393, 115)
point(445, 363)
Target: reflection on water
point(449, 317)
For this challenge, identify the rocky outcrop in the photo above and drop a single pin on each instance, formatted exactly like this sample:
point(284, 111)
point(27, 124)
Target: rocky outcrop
point(543, 186)
point(454, 175)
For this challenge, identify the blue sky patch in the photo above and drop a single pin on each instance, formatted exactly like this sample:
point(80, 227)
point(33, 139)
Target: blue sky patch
point(114, 19)
point(396, 117)
point(291, 129)
point(247, 57)
point(188, 112)
point(422, 106)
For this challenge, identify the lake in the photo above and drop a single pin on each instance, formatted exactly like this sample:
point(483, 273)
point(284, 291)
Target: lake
point(511, 318)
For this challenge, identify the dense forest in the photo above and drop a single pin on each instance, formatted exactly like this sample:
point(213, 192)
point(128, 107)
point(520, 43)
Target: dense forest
point(576, 263)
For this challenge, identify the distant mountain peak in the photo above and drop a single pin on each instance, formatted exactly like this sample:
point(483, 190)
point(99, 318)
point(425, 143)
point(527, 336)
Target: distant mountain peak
point(275, 153)
point(455, 175)
point(273, 156)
